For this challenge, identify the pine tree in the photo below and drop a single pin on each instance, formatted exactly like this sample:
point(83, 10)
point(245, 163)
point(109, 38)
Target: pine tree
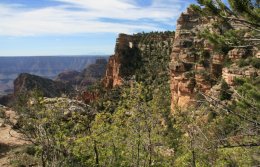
point(237, 24)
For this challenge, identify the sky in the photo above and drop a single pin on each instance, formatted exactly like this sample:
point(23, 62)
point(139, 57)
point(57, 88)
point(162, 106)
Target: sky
point(79, 27)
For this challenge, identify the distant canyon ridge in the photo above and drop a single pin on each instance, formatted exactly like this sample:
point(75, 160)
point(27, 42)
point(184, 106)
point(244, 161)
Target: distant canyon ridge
point(44, 66)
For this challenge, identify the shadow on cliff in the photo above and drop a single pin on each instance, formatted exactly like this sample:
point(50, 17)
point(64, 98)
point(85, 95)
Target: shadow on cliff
point(131, 61)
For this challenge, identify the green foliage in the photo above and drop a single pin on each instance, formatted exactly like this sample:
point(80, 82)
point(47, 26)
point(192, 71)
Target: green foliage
point(225, 93)
point(129, 125)
point(226, 35)
point(2, 113)
point(255, 62)
point(51, 126)
point(221, 134)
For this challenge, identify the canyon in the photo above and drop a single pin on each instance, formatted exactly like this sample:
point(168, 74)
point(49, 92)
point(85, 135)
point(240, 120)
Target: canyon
point(165, 96)
point(194, 66)
point(44, 66)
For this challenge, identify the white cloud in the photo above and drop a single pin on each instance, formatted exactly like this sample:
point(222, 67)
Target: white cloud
point(88, 16)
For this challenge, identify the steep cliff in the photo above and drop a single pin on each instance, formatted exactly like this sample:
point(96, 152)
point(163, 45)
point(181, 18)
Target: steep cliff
point(196, 67)
point(185, 60)
point(142, 56)
point(119, 64)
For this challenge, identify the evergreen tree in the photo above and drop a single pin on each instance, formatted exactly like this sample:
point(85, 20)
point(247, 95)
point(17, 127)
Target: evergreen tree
point(236, 25)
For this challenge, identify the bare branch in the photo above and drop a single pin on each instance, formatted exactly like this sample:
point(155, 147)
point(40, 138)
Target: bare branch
point(225, 108)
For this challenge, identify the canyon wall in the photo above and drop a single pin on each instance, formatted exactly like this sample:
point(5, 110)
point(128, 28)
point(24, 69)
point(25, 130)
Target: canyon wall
point(87, 77)
point(140, 56)
point(125, 48)
point(184, 60)
point(195, 67)
point(45, 66)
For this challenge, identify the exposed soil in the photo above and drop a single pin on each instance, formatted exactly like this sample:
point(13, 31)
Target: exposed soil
point(9, 140)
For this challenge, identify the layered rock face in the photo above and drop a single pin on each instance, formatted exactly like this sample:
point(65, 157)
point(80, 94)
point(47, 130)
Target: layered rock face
point(124, 51)
point(140, 56)
point(186, 72)
point(195, 67)
point(93, 72)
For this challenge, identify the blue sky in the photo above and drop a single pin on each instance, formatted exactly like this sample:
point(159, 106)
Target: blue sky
point(79, 27)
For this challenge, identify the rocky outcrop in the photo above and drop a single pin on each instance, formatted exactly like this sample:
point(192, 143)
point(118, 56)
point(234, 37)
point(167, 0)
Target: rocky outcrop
point(112, 77)
point(86, 77)
point(93, 73)
point(233, 72)
point(26, 83)
point(188, 69)
point(71, 77)
point(125, 50)
point(138, 56)
point(88, 96)
point(6, 100)
point(196, 67)
point(238, 53)
point(68, 105)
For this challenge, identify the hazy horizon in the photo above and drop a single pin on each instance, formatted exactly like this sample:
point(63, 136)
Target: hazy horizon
point(80, 27)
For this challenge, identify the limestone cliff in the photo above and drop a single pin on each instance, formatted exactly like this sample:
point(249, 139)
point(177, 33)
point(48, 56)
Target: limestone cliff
point(125, 50)
point(143, 56)
point(195, 66)
point(184, 57)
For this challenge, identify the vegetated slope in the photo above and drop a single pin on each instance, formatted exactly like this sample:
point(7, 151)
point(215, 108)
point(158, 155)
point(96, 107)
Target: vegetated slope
point(143, 58)
point(214, 120)
point(140, 103)
point(215, 85)
point(10, 140)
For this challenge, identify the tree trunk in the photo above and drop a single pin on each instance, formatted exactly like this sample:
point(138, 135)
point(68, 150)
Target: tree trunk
point(43, 160)
point(138, 149)
point(193, 161)
point(150, 148)
point(96, 154)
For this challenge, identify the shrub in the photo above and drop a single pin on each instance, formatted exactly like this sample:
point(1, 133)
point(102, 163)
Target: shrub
point(243, 63)
point(255, 62)
point(225, 93)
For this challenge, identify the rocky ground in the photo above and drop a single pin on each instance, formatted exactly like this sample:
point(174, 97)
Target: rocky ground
point(10, 140)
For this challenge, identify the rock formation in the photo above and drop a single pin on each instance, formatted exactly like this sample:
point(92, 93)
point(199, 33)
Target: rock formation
point(125, 50)
point(184, 60)
point(25, 83)
point(46, 66)
point(195, 66)
point(88, 76)
point(137, 55)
